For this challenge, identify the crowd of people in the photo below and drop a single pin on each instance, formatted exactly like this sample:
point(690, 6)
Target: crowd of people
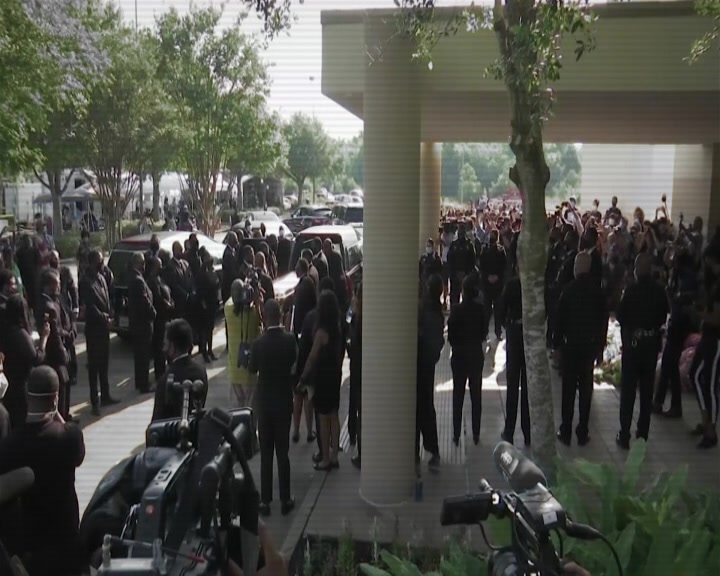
point(660, 280)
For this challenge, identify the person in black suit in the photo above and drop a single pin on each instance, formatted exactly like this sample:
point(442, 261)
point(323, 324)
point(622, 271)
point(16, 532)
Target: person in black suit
point(319, 260)
point(284, 252)
point(355, 354)
point(61, 337)
point(142, 317)
point(208, 286)
point(69, 301)
point(97, 312)
point(162, 301)
point(168, 399)
point(304, 300)
point(178, 277)
point(229, 265)
point(266, 283)
point(273, 357)
point(272, 260)
point(336, 272)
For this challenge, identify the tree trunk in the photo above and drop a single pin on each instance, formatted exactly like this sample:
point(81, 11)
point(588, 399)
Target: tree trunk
point(240, 194)
point(56, 191)
point(141, 195)
point(531, 175)
point(300, 183)
point(156, 195)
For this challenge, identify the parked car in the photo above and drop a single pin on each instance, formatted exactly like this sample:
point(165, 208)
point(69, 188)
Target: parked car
point(348, 213)
point(307, 216)
point(346, 241)
point(119, 263)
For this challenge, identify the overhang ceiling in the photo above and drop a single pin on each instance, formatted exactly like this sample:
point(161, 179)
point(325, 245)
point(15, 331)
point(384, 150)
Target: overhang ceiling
point(635, 87)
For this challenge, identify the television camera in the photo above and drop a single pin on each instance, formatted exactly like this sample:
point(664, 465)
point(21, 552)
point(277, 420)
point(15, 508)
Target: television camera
point(533, 511)
point(186, 505)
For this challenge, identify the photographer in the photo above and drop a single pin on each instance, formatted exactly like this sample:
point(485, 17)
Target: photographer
point(243, 314)
point(178, 345)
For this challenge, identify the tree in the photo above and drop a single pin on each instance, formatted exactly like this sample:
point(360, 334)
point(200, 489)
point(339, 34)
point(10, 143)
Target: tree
point(450, 172)
point(469, 185)
point(706, 42)
point(48, 52)
point(114, 128)
point(219, 86)
point(309, 154)
point(529, 35)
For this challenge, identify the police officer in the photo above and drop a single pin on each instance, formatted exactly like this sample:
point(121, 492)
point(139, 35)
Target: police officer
point(580, 334)
point(493, 262)
point(142, 317)
point(430, 263)
point(466, 336)
point(461, 262)
point(168, 398)
point(642, 312)
point(510, 314)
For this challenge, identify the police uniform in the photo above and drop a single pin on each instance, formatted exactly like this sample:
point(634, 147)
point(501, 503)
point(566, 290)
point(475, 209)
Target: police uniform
point(510, 314)
point(461, 262)
point(641, 313)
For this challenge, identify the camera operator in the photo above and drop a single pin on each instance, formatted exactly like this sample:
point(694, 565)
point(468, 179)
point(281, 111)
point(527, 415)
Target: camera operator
point(243, 314)
point(46, 536)
point(178, 345)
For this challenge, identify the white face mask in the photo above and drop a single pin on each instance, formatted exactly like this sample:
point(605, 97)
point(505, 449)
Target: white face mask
point(3, 385)
point(428, 250)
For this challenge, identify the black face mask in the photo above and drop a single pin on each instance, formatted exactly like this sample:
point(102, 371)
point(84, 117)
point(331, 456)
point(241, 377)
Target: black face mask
point(154, 247)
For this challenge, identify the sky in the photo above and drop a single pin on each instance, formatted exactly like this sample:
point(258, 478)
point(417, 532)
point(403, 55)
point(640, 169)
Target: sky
point(295, 60)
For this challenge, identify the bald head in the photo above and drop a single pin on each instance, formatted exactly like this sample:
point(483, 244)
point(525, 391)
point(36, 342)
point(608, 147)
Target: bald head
point(138, 261)
point(232, 239)
point(583, 261)
point(271, 313)
point(643, 265)
point(260, 260)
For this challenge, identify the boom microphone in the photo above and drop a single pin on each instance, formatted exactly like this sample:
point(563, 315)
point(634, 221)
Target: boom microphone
point(519, 471)
point(15, 483)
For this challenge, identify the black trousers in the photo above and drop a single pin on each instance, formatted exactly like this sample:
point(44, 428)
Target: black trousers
point(638, 375)
point(670, 374)
point(456, 280)
point(516, 384)
point(467, 368)
point(491, 299)
point(98, 359)
point(142, 350)
point(158, 354)
point(354, 408)
point(206, 327)
point(577, 378)
point(425, 417)
point(274, 437)
point(705, 374)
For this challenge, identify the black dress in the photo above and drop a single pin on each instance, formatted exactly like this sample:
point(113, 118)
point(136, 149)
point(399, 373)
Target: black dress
point(328, 377)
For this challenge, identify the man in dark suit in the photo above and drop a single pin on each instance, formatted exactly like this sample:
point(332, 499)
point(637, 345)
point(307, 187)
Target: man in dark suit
point(319, 260)
point(266, 283)
point(98, 320)
point(168, 398)
point(273, 357)
point(229, 265)
point(69, 301)
point(61, 336)
point(336, 271)
point(284, 252)
point(178, 277)
point(142, 317)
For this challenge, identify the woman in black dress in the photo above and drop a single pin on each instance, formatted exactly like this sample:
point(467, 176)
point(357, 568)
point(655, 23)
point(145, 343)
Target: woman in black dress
point(325, 366)
point(208, 288)
point(21, 355)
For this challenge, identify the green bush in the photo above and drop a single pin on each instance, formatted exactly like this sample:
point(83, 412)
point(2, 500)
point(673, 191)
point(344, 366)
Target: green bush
point(609, 373)
point(68, 243)
point(457, 563)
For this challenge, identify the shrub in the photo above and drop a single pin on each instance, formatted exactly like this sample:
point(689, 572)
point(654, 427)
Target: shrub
point(68, 243)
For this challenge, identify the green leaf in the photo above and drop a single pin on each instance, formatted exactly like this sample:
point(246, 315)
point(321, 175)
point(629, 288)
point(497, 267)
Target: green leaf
point(662, 550)
point(370, 570)
point(398, 566)
point(624, 545)
point(633, 464)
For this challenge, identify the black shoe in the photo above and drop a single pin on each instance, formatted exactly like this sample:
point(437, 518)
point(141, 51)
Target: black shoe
point(476, 439)
point(434, 463)
point(108, 401)
point(334, 465)
point(96, 410)
point(699, 430)
point(317, 458)
point(287, 506)
point(506, 437)
point(527, 441)
point(320, 467)
point(707, 442)
point(264, 509)
point(355, 461)
point(206, 358)
point(673, 413)
point(657, 408)
point(212, 356)
point(296, 437)
point(311, 437)
point(583, 440)
point(456, 441)
point(563, 438)
point(622, 441)
point(639, 436)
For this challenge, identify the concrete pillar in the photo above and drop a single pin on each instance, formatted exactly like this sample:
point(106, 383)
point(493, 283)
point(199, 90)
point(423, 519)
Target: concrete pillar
point(391, 110)
point(430, 190)
point(693, 191)
point(713, 220)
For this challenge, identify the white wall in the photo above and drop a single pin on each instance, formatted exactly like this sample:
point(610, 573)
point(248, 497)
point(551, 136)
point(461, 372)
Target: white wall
point(637, 174)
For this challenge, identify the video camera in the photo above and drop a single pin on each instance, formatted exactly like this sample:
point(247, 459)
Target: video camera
point(533, 511)
point(200, 508)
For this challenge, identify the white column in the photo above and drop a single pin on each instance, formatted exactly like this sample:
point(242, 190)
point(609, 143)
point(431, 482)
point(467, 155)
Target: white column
point(390, 309)
point(430, 190)
point(692, 185)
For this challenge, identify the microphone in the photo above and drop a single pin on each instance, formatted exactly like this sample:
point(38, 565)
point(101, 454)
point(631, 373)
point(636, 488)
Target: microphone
point(15, 483)
point(194, 387)
point(519, 471)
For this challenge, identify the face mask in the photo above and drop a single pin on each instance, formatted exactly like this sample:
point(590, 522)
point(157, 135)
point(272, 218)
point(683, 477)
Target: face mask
point(3, 385)
point(154, 247)
point(428, 250)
